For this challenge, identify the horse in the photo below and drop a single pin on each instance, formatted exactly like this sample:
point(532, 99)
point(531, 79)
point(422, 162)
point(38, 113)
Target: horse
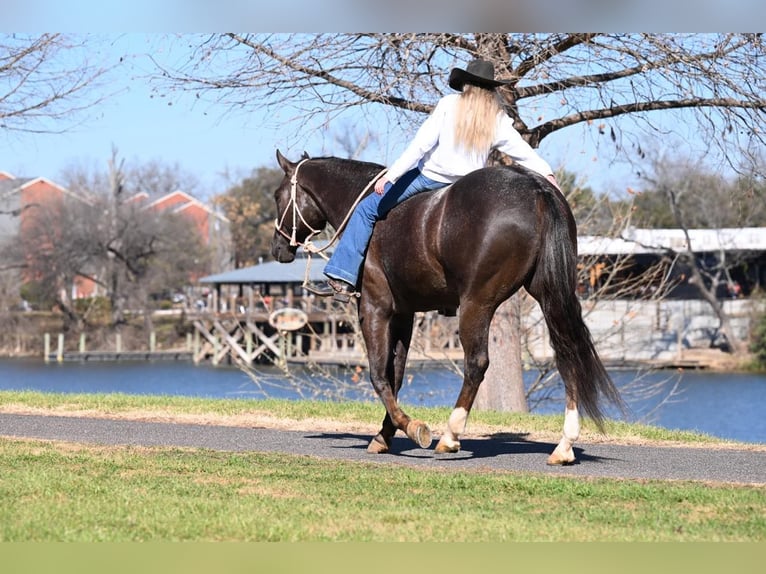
point(463, 249)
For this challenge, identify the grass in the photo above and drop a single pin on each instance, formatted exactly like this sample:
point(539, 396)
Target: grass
point(68, 492)
point(55, 492)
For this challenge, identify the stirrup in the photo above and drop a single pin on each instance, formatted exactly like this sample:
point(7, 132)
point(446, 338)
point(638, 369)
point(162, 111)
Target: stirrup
point(337, 288)
point(343, 291)
point(322, 291)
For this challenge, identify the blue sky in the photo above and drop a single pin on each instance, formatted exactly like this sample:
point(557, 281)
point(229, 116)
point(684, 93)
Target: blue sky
point(217, 147)
point(214, 145)
point(201, 140)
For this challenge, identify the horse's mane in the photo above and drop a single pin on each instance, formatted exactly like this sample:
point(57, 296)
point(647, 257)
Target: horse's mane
point(360, 163)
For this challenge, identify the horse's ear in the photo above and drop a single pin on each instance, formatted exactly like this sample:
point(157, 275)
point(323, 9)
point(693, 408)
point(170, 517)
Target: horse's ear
point(305, 155)
point(286, 165)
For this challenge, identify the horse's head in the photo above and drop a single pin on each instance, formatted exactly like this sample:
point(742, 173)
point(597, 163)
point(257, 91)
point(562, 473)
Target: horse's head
point(298, 216)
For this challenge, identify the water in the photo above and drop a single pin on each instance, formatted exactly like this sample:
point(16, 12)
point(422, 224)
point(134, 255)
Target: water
point(728, 406)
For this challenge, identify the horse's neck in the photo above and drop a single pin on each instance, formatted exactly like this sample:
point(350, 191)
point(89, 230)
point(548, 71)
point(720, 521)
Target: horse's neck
point(340, 189)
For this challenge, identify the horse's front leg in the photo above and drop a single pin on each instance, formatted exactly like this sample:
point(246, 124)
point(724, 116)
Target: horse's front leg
point(387, 342)
point(474, 337)
point(564, 453)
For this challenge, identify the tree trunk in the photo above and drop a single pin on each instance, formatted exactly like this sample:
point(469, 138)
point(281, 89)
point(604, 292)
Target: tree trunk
point(503, 386)
point(736, 346)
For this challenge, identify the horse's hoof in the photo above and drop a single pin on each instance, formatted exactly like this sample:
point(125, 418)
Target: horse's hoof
point(560, 458)
point(445, 447)
point(419, 433)
point(377, 445)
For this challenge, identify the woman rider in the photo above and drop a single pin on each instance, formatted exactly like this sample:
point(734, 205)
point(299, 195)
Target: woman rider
point(456, 139)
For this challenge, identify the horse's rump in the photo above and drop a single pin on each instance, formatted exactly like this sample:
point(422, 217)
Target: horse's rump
point(438, 244)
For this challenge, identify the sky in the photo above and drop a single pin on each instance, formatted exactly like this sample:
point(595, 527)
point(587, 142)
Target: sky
point(220, 148)
point(142, 127)
point(216, 146)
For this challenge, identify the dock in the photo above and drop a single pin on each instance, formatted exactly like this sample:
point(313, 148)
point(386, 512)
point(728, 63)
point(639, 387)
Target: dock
point(98, 356)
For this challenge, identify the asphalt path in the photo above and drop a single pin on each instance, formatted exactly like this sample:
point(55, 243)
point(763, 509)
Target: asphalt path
point(497, 453)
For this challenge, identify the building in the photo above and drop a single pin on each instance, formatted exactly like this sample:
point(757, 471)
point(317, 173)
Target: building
point(741, 252)
point(212, 226)
point(20, 196)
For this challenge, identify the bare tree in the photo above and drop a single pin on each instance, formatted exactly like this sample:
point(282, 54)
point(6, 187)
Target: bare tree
point(131, 252)
point(614, 83)
point(142, 250)
point(46, 81)
point(52, 252)
point(154, 177)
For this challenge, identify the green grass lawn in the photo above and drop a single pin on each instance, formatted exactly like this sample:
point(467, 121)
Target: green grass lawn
point(54, 492)
point(62, 492)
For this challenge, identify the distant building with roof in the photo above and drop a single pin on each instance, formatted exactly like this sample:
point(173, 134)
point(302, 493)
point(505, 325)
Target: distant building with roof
point(741, 251)
point(213, 227)
point(19, 196)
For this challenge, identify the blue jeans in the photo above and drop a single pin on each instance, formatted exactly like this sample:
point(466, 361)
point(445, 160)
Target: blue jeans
point(346, 261)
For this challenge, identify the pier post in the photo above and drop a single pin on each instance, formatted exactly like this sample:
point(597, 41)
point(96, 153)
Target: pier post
point(60, 349)
point(152, 342)
point(81, 347)
point(47, 347)
point(282, 362)
point(118, 343)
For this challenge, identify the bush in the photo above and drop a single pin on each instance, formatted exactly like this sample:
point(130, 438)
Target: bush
point(97, 309)
point(758, 344)
point(37, 295)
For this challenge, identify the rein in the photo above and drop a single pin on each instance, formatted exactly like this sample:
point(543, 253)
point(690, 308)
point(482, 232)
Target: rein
point(307, 245)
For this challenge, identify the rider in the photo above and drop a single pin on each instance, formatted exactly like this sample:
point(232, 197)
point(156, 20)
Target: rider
point(455, 139)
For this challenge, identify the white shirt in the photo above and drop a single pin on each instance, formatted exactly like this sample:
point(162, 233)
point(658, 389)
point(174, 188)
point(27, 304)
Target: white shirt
point(434, 151)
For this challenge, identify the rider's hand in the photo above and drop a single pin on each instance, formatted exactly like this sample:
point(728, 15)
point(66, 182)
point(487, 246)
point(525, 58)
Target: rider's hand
point(380, 186)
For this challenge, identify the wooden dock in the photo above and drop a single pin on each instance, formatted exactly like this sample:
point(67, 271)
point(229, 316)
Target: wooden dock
point(326, 338)
point(96, 356)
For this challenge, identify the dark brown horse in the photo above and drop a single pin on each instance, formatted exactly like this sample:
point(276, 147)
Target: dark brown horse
point(467, 247)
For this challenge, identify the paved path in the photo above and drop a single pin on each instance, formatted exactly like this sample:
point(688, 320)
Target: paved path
point(503, 453)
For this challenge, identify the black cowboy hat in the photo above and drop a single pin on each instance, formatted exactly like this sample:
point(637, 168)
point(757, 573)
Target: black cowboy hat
point(478, 72)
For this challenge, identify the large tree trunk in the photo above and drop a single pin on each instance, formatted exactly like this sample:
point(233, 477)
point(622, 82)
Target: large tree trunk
point(503, 386)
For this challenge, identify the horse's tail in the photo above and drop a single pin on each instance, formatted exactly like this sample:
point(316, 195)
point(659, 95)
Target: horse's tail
point(579, 365)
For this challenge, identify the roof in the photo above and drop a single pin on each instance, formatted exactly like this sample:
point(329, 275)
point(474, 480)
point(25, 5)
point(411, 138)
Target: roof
point(272, 272)
point(639, 241)
point(8, 186)
point(178, 201)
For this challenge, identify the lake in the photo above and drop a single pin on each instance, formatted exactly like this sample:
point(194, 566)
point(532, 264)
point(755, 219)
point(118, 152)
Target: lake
point(729, 406)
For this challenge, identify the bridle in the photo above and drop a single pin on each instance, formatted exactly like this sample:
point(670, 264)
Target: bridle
point(297, 215)
point(296, 212)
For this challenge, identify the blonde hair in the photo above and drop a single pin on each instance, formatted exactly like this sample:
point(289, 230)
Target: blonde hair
point(476, 119)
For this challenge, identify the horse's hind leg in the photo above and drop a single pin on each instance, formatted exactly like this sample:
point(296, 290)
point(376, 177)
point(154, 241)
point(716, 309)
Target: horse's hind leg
point(474, 337)
point(564, 453)
point(388, 343)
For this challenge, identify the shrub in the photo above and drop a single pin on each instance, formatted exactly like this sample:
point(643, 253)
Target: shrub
point(758, 343)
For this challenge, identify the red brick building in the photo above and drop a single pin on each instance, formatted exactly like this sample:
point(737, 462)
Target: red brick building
point(20, 196)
